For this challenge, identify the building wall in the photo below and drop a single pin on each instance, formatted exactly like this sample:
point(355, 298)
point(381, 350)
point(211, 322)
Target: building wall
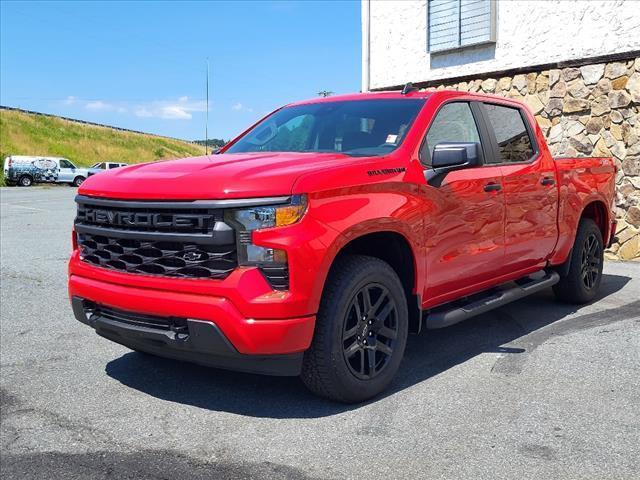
point(529, 33)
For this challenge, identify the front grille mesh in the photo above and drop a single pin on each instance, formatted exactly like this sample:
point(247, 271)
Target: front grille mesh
point(171, 239)
point(172, 259)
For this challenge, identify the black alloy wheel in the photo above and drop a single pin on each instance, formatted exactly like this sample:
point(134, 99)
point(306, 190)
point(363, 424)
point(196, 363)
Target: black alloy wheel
point(360, 333)
point(583, 275)
point(590, 261)
point(370, 331)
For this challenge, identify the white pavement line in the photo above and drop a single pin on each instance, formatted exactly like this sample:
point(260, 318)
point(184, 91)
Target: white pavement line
point(22, 206)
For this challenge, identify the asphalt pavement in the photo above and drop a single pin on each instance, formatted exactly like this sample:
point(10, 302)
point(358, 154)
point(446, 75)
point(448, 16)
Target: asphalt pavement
point(537, 389)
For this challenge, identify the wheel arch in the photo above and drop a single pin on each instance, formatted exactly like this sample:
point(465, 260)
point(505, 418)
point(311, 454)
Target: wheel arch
point(596, 210)
point(395, 249)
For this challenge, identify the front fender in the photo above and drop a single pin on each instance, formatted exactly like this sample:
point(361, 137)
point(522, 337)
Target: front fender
point(358, 213)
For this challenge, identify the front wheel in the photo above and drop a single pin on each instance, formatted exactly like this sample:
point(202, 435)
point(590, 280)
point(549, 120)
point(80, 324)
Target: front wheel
point(361, 331)
point(78, 181)
point(582, 281)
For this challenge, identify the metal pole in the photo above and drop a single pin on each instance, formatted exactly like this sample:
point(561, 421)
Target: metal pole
point(206, 127)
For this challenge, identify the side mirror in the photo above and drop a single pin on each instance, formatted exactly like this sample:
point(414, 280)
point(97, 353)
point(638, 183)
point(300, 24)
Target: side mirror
point(450, 156)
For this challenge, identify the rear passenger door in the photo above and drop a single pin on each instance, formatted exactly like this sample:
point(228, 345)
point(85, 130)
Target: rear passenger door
point(529, 185)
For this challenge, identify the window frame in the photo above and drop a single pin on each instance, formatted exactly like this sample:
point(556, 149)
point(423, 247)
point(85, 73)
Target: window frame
point(493, 28)
point(494, 140)
point(420, 103)
point(478, 118)
point(72, 166)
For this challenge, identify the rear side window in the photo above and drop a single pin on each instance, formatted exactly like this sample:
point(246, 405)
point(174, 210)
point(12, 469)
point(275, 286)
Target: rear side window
point(453, 123)
point(514, 142)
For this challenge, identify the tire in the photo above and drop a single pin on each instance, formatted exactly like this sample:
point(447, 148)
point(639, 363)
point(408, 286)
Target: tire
point(25, 181)
point(347, 340)
point(78, 181)
point(582, 281)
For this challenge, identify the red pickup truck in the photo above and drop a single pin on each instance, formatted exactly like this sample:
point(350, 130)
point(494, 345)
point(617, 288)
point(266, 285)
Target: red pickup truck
point(315, 241)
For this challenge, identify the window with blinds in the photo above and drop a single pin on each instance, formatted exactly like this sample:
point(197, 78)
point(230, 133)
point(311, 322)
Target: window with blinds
point(460, 23)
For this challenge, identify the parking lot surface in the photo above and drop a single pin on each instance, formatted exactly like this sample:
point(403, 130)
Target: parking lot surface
point(537, 389)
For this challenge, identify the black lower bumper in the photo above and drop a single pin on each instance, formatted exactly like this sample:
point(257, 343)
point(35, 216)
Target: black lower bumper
point(189, 340)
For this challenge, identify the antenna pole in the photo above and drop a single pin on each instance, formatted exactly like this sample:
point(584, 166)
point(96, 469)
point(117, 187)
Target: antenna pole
point(206, 126)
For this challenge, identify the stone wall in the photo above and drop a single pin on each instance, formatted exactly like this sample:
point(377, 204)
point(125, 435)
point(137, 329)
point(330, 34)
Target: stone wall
point(589, 110)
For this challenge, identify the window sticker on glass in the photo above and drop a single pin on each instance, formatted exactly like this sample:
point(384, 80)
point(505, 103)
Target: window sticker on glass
point(391, 138)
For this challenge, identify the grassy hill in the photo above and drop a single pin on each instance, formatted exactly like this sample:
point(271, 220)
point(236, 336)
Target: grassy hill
point(24, 133)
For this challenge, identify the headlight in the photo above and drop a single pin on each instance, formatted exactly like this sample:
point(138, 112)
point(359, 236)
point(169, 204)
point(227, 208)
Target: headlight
point(246, 220)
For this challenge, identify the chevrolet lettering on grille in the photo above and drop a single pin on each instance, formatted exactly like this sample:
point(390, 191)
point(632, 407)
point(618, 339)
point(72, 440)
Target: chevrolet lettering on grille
point(141, 219)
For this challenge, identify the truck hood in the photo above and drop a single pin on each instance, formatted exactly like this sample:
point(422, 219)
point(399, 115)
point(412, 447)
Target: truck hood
point(238, 175)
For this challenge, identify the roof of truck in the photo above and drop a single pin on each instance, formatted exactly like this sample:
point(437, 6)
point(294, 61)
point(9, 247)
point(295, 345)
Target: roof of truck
point(396, 94)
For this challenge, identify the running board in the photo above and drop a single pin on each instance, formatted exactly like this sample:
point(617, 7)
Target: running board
point(455, 312)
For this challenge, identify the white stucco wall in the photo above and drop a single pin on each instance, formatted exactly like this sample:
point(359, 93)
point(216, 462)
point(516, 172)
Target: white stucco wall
point(529, 32)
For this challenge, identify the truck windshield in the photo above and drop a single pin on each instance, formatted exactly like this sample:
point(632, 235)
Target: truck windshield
point(358, 128)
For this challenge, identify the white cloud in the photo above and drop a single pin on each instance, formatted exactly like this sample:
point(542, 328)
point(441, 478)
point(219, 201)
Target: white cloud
point(171, 112)
point(142, 112)
point(180, 109)
point(98, 105)
point(239, 107)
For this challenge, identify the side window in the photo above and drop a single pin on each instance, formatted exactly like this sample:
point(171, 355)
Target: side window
point(514, 143)
point(65, 164)
point(453, 123)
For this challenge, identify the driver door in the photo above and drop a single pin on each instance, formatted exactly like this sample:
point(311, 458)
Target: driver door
point(465, 217)
point(67, 171)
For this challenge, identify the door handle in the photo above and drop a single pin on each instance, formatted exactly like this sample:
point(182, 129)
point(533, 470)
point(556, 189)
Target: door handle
point(547, 181)
point(492, 187)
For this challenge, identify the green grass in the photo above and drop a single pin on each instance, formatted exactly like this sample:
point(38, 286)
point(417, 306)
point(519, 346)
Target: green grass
point(27, 134)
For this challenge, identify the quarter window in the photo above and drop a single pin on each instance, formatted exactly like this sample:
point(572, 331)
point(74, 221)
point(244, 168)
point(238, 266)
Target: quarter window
point(453, 123)
point(514, 142)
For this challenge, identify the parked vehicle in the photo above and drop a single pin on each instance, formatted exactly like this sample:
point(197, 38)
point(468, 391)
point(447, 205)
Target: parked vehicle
point(102, 166)
point(324, 234)
point(26, 170)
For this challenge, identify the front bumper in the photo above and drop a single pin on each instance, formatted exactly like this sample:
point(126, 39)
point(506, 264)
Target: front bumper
point(249, 334)
point(193, 340)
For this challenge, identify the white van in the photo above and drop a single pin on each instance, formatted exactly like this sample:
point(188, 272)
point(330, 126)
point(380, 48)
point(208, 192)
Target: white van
point(26, 170)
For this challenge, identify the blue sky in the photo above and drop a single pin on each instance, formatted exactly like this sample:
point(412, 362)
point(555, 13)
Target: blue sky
point(142, 65)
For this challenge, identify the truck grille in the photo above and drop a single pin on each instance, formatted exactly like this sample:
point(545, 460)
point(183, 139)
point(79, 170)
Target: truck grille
point(173, 239)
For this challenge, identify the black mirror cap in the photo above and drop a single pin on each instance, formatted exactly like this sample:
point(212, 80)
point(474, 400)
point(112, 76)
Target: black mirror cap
point(449, 156)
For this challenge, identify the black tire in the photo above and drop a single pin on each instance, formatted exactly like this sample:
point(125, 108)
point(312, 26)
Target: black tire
point(78, 181)
point(338, 363)
point(25, 181)
point(582, 281)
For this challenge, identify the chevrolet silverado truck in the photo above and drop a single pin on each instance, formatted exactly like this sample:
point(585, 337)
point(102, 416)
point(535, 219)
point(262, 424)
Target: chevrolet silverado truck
point(315, 241)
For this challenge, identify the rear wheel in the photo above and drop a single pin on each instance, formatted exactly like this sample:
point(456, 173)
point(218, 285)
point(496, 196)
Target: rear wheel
point(25, 181)
point(582, 281)
point(361, 331)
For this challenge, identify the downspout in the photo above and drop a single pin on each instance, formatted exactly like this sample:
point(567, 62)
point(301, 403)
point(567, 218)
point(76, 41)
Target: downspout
point(366, 38)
